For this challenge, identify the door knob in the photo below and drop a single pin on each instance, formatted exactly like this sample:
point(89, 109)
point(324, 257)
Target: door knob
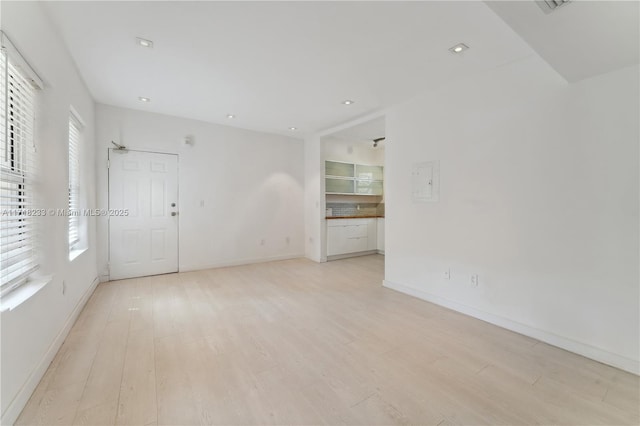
point(174, 213)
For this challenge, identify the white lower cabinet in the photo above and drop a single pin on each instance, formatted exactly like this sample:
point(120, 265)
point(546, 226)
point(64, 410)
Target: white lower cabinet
point(346, 236)
point(372, 234)
point(380, 238)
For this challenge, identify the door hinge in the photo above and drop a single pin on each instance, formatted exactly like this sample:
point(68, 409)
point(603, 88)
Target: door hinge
point(108, 164)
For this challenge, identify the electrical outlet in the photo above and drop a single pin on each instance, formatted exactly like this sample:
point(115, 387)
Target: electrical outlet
point(475, 280)
point(447, 274)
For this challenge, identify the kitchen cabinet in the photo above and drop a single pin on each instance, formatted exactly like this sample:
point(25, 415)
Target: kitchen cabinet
point(339, 186)
point(372, 234)
point(368, 187)
point(338, 169)
point(364, 172)
point(345, 236)
point(353, 179)
point(380, 235)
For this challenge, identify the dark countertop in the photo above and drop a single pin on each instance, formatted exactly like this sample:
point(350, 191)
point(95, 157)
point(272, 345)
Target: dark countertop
point(354, 217)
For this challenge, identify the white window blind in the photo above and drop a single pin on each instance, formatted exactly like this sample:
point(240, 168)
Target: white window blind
point(17, 167)
point(74, 181)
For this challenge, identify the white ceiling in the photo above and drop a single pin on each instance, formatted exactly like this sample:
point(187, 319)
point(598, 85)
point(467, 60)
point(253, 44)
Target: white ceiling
point(281, 64)
point(278, 64)
point(580, 39)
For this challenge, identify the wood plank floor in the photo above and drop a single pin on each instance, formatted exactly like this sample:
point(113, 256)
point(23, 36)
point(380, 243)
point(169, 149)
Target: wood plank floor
point(295, 342)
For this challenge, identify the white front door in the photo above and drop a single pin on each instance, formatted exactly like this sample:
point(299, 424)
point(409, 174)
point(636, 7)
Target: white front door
point(145, 241)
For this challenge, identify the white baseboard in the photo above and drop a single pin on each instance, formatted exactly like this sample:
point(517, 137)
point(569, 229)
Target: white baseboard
point(239, 262)
point(15, 407)
point(592, 352)
point(348, 255)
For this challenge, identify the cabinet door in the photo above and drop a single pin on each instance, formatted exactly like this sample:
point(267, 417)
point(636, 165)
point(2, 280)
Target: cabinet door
point(369, 172)
point(334, 168)
point(368, 187)
point(357, 237)
point(372, 234)
point(358, 230)
point(338, 186)
point(336, 240)
point(380, 234)
point(347, 239)
point(358, 244)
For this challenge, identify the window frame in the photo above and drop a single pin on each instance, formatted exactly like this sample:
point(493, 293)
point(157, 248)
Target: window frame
point(19, 85)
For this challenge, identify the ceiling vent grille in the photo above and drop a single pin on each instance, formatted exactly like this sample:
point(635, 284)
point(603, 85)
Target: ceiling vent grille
point(549, 6)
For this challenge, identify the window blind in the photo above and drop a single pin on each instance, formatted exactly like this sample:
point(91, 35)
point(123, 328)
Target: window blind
point(74, 182)
point(17, 167)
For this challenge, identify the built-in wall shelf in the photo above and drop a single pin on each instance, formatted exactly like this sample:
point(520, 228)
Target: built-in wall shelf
point(353, 179)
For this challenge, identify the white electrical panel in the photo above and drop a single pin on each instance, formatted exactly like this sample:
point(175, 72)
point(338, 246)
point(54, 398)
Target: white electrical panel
point(425, 181)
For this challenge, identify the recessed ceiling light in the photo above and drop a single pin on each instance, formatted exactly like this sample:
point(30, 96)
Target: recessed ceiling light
point(293, 128)
point(459, 48)
point(144, 42)
point(143, 99)
point(348, 102)
point(230, 116)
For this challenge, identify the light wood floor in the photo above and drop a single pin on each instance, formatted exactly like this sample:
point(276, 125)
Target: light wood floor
point(296, 342)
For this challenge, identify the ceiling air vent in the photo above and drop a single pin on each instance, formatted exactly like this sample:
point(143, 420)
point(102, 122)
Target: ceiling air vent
point(549, 6)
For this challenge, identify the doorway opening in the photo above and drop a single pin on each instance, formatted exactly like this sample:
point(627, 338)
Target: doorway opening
point(353, 165)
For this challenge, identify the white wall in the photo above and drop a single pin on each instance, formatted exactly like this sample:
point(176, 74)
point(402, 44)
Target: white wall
point(352, 151)
point(313, 199)
point(251, 184)
point(539, 196)
point(33, 331)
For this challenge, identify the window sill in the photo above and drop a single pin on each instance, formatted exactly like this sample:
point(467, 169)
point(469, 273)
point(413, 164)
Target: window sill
point(14, 299)
point(75, 253)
